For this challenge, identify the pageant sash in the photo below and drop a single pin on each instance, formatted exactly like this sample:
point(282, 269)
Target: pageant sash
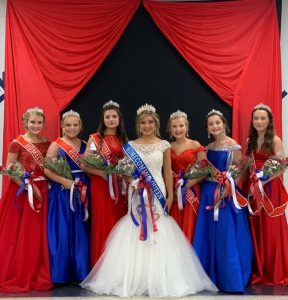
point(106, 153)
point(29, 179)
point(257, 193)
point(185, 195)
point(225, 180)
point(78, 184)
point(147, 186)
point(71, 152)
point(34, 152)
point(104, 150)
point(142, 168)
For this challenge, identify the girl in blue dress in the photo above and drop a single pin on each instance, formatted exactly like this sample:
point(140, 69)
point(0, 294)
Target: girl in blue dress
point(222, 238)
point(68, 230)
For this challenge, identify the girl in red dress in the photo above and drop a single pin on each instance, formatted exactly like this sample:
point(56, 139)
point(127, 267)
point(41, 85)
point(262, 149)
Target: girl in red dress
point(184, 152)
point(105, 211)
point(24, 258)
point(269, 228)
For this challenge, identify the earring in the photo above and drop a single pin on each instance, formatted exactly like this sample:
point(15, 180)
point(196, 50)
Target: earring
point(209, 136)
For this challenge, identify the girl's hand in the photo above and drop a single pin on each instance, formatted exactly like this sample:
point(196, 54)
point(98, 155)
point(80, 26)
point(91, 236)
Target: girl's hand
point(224, 193)
point(67, 184)
point(102, 174)
point(169, 201)
point(190, 183)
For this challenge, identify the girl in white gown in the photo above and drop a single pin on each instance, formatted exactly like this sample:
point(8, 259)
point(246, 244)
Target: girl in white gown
point(153, 258)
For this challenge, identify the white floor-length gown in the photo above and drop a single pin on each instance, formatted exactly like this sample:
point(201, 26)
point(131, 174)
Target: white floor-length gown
point(163, 265)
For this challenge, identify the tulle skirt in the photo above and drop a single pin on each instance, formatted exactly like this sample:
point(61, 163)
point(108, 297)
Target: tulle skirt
point(165, 265)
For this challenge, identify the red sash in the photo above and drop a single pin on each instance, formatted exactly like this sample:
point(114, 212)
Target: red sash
point(104, 150)
point(35, 153)
point(190, 197)
point(220, 178)
point(73, 154)
point(193, 200)
point(261, 198)
point(29, 181)
point(81, 187)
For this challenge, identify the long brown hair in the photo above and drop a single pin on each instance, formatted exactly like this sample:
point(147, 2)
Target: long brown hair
point(120, 131)
point(268, 144)
point(223, 119)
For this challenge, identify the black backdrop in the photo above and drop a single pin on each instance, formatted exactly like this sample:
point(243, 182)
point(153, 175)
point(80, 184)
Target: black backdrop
point(145, 67)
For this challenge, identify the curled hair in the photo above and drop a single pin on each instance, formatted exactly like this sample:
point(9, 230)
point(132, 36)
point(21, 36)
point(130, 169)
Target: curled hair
point(29, 112)
point(67, 116)
point(120, 131)
point(268, 144)
point(223, 119)
point(168, 128)
point(144, 114)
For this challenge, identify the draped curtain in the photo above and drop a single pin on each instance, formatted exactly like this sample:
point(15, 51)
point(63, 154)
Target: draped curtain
point(234, 46)
point(54, 47)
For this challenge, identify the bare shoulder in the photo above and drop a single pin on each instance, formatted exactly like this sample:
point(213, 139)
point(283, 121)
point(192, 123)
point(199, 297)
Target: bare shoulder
point(54, 146)
point(277, 140)
point(194, 144)
point(231, 142)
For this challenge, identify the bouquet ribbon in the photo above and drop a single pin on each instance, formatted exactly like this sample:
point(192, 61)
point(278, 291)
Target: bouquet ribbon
point(223, 183)
point(113, 185)
point(146, 200)
point(256, 191)
point(225, 180)
point(184, 195)
point(180, 190)
point(82, 190)
point(28, 183)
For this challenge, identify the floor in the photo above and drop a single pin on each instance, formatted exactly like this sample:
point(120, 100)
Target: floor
point(73, 291)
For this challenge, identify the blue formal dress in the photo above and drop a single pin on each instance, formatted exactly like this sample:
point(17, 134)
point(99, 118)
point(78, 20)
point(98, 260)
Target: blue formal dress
point(224, 246)
point(68, 234)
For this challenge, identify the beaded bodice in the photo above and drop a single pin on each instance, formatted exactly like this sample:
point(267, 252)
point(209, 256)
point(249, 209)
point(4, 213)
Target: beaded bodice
point(152, 156)
point(26, 159)
point(222, 157)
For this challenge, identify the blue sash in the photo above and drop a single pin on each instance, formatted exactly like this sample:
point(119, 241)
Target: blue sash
point(141, 167)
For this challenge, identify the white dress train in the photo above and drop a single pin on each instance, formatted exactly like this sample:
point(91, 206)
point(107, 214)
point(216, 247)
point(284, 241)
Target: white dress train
point(165, 265)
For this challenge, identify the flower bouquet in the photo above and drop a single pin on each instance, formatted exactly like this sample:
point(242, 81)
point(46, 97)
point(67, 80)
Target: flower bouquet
point(17, 172)
point(274, 165)
point(235, 170)
point(124, 167)
point(59, 166)
point(94, 161)
point(14, 170)
point(199, 169)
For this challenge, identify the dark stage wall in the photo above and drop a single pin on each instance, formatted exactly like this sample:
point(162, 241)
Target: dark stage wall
point(145, 67)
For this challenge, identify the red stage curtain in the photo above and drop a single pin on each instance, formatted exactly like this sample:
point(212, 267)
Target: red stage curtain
point(234, 46)
point(52, 49)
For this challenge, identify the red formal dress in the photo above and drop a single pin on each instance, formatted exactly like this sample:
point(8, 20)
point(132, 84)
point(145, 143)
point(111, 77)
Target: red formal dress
point(105, 212)
point(24, 258)
point(270, 235)
point(185, 218)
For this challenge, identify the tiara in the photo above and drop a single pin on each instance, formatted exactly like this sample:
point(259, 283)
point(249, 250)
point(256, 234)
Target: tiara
point(35, 110)
point(71, 113)
point(178, 114)
point(111, 103)
point(262, 106)
point(214, 111)
point(146, 107)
